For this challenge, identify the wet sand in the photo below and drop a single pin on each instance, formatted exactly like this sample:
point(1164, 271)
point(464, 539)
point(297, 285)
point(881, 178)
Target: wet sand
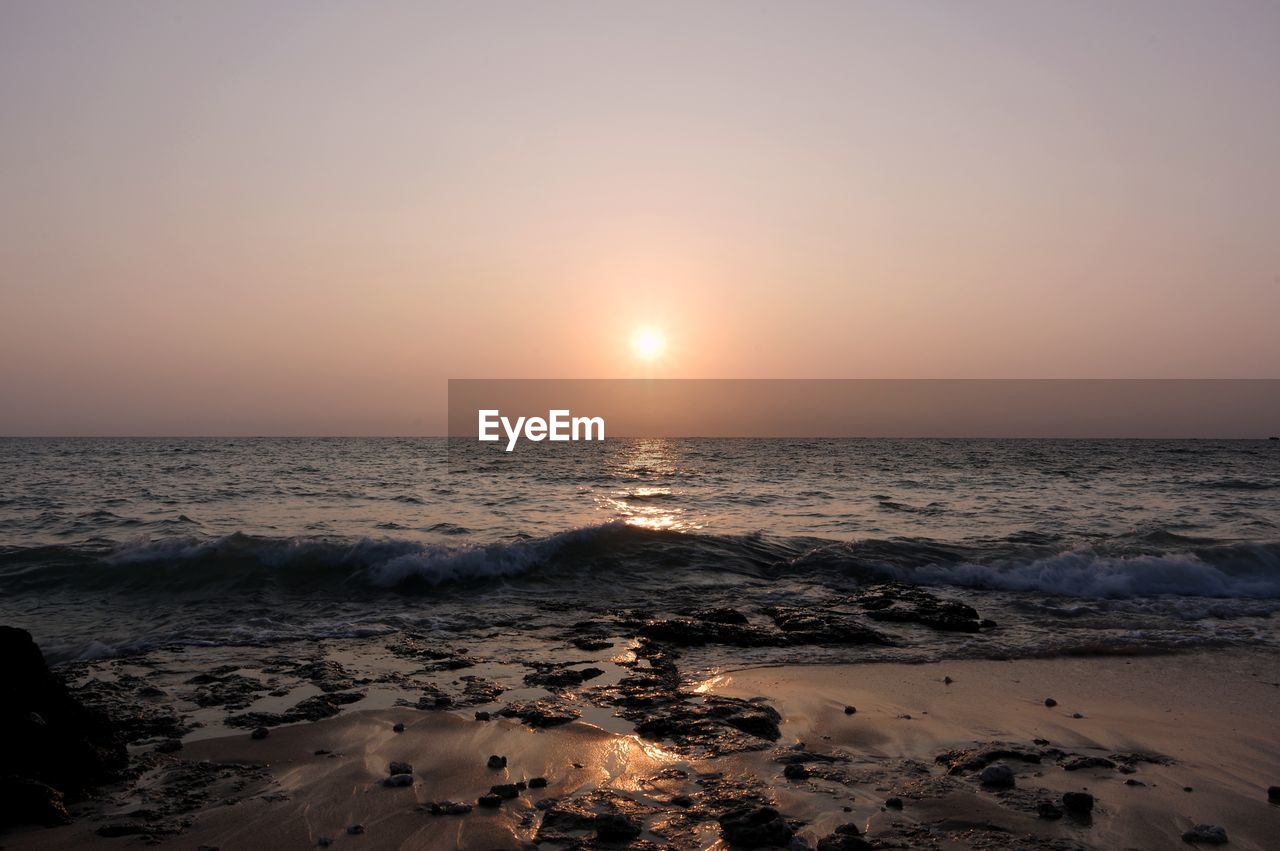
point(1149, 728)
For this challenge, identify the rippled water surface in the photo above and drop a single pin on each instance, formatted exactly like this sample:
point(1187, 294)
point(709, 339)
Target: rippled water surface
point(111, 545)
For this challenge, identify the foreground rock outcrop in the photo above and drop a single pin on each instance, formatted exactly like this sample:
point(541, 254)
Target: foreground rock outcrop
point(54, 747)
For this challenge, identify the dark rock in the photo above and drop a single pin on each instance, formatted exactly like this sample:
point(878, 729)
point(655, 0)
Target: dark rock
point(900, 603)
point(1049, 810)
point(848, 829)
point(400, 768)
point(355, 830)
point(850, 710)
point(260, 733)
point(132, 828)
point(804, 626)
point(1088, 762)
point(703, 723)
point(1050, 702)
point(483, 716)
point(1078, 803)
point(562, 678)
point(537, 783)
point(314, 708)
point(1207, 834)
point(1273, 794)
point(616, 827)
point(496, 762)
point(688, 632)
point(1076, 715)
point(795, 771)
point(50, 741)
point(398, 780)
point(755, 827)
point(1132, 782)
point(840, 841)
point(449, 808)
point(540, 713)
point(398, 727)
point(491, 800)
point(973, 759)
point(684, 801)
point(26, 801)
point(997, 775)
point(506, 791)
point(893, 803)
point(719, 615)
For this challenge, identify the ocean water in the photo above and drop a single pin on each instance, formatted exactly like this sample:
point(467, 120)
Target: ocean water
point(115, 546)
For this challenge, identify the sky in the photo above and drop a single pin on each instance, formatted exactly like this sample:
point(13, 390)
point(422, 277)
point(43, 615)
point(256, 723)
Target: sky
point(303, 218)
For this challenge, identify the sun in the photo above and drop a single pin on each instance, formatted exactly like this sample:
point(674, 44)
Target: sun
point(647, 343)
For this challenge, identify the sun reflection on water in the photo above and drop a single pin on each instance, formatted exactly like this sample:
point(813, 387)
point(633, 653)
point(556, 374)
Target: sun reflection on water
point(649, 503)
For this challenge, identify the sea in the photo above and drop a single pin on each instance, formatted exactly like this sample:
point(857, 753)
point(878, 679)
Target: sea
point(113, 547)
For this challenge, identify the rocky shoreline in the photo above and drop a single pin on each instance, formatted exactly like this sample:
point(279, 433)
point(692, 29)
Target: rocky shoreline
point(121, 748)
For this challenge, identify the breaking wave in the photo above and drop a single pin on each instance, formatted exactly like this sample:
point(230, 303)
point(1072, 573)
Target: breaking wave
point(1151, 565)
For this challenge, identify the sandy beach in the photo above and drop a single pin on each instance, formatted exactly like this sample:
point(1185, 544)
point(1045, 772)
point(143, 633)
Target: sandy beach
point(1160, 743)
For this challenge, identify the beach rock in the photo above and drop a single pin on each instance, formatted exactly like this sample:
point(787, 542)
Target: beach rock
point(561, 678)
point(893, 803)
point(719, 614)
point(1049, 810)
point(795, 771)
point(540, 713)
point(449, 808)
point(689, 632)
point(616, 827)
point(755, 827)
point(1206, 834)
point(805, 626)
point(507, 791)
point(592, 645)
point(400, 768)
point(1078, 803)
point(496, 762)
point(705, 723)
point(398, 727)
point(260, 733)
point(538, 783)
point(315, 708)
point(1088, 762)
point(846, 837)
point(850, 710)
point(26, 801)
point(997, 775)
point(973, 759)
point(53, 746)
point(355, 830)
point(900, 603)
point(683, 801)
point(483, 716)
point(1273, 794)
point(398, 780)
point(491, 800)
point(1050, 702)
point(324, 841)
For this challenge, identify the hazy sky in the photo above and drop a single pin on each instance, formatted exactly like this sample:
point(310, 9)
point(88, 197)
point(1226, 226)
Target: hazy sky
point(303, 217)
